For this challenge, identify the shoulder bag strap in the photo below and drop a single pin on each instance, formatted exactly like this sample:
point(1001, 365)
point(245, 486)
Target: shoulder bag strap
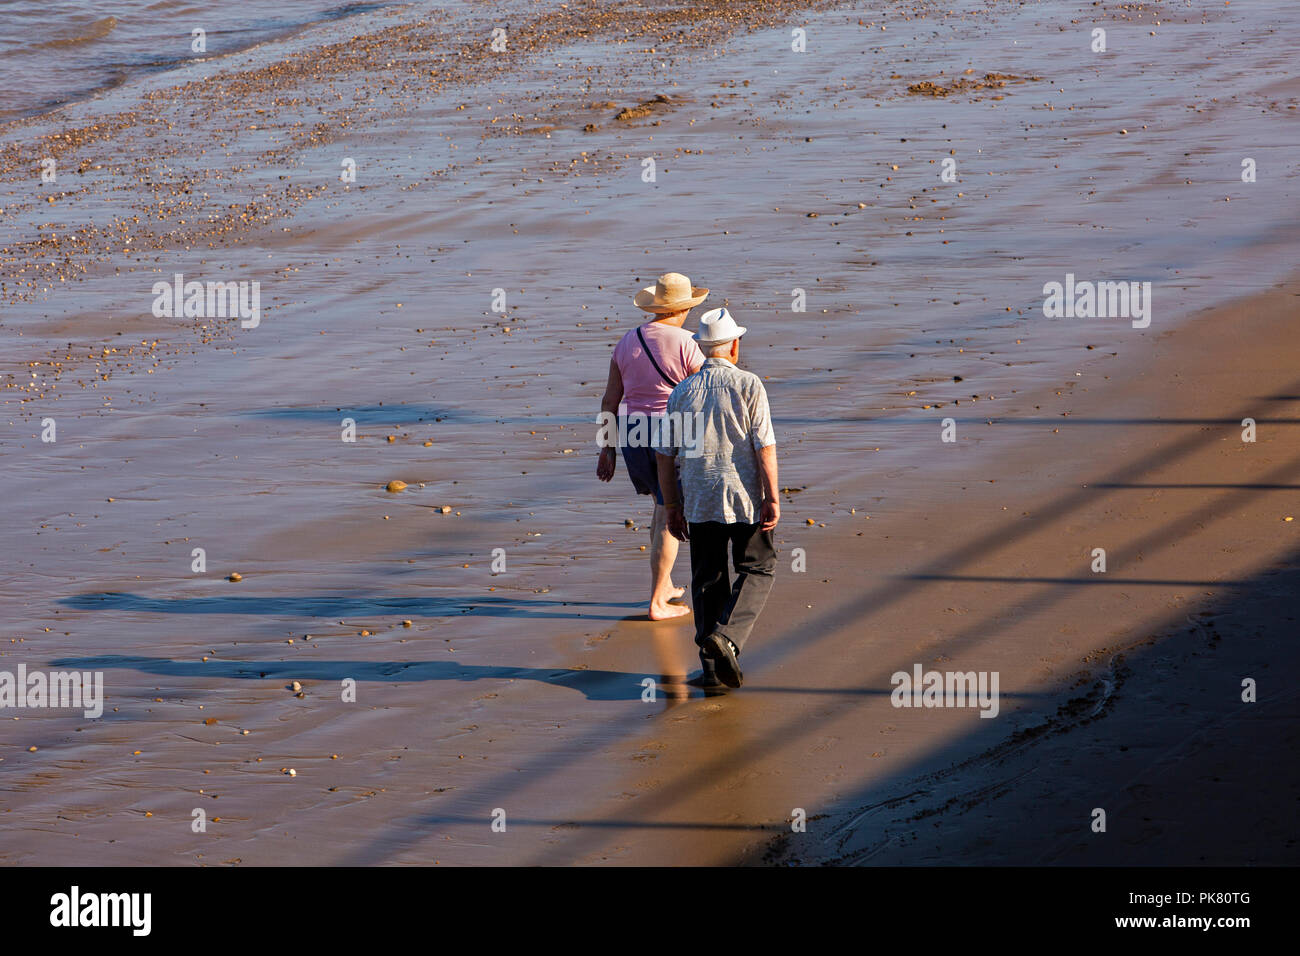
point(650, 356)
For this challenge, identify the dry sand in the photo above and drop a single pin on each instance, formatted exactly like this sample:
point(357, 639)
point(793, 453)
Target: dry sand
point(522, 690)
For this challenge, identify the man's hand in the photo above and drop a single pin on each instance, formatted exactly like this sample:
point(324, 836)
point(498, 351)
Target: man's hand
point(770, 513)
point(606, 464)
point(677, 524)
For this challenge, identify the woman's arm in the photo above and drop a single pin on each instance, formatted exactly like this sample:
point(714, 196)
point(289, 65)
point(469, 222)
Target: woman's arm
point(609, 405)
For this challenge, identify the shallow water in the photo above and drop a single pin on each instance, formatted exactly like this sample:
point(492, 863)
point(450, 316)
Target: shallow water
point(58, 51)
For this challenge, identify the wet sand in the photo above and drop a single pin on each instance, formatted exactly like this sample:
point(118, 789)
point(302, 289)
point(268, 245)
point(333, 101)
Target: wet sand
point(522, 690)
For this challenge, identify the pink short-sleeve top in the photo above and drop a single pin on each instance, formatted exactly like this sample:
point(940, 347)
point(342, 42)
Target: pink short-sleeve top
point(644, 389)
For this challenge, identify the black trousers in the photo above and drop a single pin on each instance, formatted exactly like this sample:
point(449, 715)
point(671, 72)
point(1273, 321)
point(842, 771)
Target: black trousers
point(721, 605)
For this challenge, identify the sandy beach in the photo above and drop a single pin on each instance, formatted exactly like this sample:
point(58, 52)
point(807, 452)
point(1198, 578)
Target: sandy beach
point(778, 175)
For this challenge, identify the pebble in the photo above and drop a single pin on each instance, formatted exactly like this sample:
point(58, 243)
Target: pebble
point(445, 509)
point(295, 687)
point(395, 485)
point(236, 576)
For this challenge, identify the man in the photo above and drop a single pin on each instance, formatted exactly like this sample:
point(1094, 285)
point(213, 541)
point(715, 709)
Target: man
point(648, 362)
point(727, 470)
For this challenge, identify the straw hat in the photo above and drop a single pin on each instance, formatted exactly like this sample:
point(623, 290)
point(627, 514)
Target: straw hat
point(718, 327)
point(672, 293)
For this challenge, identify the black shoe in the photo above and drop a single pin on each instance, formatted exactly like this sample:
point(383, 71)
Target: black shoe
point(708, 678)
point(723, 653)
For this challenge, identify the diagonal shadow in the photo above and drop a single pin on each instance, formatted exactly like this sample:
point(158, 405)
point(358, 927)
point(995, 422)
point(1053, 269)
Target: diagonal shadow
point(627, 824)
point(1253, 486)
point(860, 826)
point(1096, 579)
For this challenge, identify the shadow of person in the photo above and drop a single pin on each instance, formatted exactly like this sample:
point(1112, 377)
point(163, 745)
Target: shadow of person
point(596, 685)
point(343, 605)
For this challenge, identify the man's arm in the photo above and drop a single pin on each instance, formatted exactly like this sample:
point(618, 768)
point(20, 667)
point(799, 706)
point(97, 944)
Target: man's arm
point(668, 485)
point(609, 405)
point(765, 447)
point(770, 513)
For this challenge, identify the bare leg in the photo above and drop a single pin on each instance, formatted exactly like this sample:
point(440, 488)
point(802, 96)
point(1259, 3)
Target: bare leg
point(663, 554)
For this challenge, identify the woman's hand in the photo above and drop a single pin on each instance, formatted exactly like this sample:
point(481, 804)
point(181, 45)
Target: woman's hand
point(606, 464)
point(677, 524)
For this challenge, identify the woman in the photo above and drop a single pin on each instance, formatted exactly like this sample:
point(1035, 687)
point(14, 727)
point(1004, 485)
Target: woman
point(648, 363)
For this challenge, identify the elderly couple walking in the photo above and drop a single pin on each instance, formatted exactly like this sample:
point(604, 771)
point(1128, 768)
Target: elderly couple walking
point(696, 433)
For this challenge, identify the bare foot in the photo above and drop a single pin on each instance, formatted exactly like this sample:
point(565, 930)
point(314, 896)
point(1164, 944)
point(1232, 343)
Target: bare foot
point(664, 612)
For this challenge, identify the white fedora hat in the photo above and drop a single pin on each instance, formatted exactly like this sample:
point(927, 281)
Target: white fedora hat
point(672, 293)
point(717, 327)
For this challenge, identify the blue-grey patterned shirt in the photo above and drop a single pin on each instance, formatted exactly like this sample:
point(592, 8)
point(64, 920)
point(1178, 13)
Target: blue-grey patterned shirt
point(720, 419)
